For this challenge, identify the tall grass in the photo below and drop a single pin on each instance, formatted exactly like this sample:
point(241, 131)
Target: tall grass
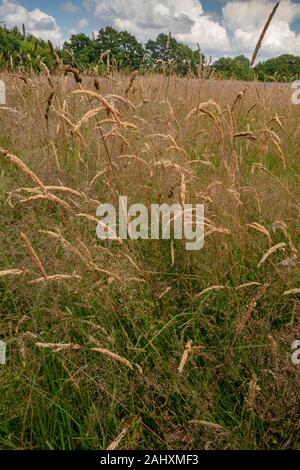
point(142, 344)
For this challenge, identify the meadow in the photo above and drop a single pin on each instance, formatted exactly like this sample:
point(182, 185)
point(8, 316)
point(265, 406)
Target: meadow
point(115, 344)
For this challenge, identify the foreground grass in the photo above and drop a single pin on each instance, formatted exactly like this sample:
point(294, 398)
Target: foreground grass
point(62, 387)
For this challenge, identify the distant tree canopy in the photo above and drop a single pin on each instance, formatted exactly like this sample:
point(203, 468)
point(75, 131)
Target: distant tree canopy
point(108, 46)
point(238, 68)
point(283, 68)
point(17, 50)
point(166, 51)
point(123, 51)
point(82, 49)
point(128, 53)
point(123, 48)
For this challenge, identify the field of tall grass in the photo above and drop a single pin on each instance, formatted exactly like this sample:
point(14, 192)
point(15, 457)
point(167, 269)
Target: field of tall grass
point(142, 344)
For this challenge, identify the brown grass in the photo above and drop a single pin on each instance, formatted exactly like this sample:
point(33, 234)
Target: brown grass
point(234, 304)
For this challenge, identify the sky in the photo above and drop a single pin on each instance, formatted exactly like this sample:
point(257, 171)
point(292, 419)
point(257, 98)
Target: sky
point(221, 27)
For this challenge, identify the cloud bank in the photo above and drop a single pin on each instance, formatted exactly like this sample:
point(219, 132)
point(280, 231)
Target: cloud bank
point(234, 32)
point(37, 22)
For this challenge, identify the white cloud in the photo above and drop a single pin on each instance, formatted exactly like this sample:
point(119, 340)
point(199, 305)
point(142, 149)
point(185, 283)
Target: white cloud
point(236, 32)
point(72, 31)
point(254, 13)
point(69, 7)
point(244, 22)
point(83, 23)
point(36, 22)
point(186, 20)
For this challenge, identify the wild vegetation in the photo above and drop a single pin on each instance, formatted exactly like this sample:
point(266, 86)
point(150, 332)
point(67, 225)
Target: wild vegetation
point(119, 51)
point(142, 344)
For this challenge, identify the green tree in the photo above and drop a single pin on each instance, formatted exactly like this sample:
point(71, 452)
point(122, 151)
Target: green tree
point(237, 68)
point(166, 49)
point(132, 52)
point(83, 48)
point(283, 68)
point(34, 51)
point(17, 50)
point(10, 45)
point(123, 47)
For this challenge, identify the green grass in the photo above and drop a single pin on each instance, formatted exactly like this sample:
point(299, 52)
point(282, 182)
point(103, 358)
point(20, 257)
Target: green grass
point(83, 399)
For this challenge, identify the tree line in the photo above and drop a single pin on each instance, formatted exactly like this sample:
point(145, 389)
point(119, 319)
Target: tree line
point(111, 50)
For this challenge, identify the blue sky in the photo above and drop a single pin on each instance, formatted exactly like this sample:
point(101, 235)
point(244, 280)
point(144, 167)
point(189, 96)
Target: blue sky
point(222, 27)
